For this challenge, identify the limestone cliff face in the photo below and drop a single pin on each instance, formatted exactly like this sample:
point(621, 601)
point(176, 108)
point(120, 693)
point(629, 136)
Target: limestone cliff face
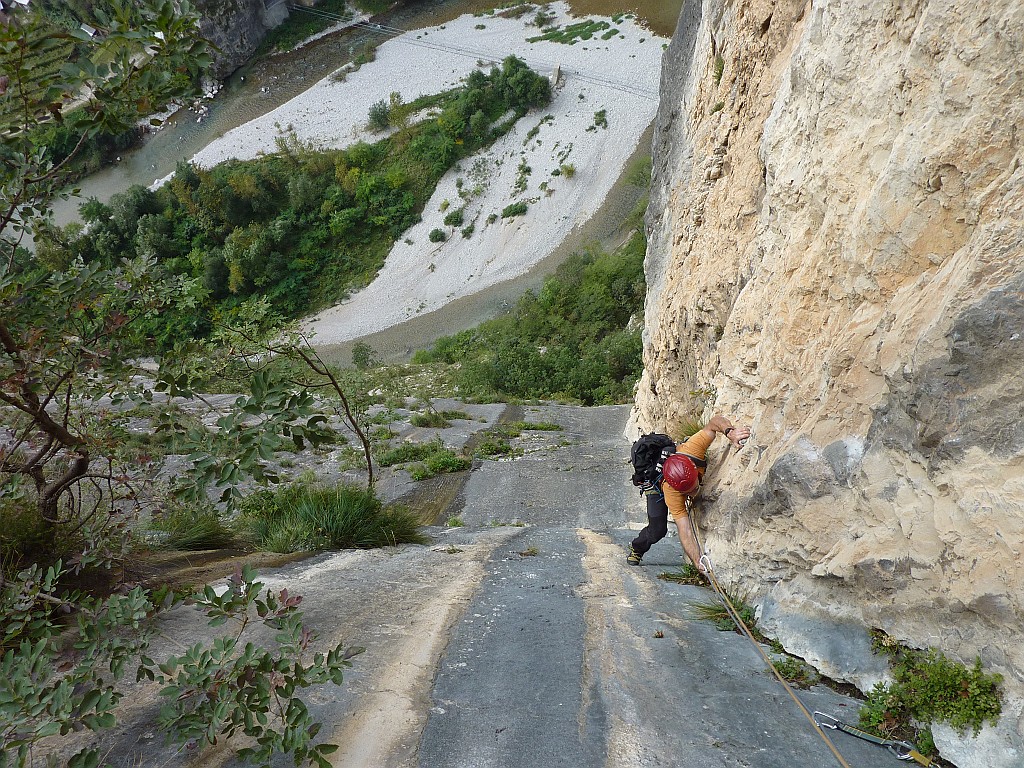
point(837, 258)
point(236, 28)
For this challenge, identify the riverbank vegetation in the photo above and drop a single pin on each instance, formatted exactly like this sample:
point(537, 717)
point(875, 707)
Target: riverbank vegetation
point(572, 340)
point(299, 228)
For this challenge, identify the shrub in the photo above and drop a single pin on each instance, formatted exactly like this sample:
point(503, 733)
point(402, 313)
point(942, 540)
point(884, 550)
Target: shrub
point(429, 419)
point(797, 671)
point(437, 236)
point(438, 463)
point(362, 356)
point(304, 517)
point(467, 231)
point(407, 452)
point(493, 446)
point(568, 170)
point(380, 115)
point(454, 219)
point(515, 209)
point(930, 688)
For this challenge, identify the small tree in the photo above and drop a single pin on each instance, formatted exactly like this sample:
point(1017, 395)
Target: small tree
point(67, 337)
point(380, 116)
point(362, 356)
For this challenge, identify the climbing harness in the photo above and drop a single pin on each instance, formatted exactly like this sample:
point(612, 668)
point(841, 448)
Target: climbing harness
point(902, 750)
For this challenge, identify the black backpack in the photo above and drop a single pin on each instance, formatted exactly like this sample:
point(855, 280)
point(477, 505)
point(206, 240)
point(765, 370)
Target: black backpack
point(647, 455)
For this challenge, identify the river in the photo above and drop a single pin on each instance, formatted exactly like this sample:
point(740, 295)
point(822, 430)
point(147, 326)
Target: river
point(262, 86)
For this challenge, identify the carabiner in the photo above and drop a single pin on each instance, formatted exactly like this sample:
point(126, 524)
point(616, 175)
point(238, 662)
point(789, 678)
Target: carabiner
point(902, 750)
point(706, 562)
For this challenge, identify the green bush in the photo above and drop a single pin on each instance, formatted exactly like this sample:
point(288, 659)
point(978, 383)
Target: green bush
point(454, 218)
point(380, 115)
point(930, 688)
point(304, 517)
point(407, 452)
point(437, 236)
point(515, 209)
point(439, 463)
point(429, 419)
point(797, 671)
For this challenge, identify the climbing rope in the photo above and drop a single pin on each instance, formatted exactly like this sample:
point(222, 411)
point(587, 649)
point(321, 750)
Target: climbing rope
point(901, 749)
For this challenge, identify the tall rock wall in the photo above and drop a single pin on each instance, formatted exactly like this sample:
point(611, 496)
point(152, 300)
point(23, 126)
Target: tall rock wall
point(837, 258)
point(236, 28)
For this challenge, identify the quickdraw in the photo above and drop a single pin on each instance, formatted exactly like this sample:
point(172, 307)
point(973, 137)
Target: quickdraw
point(902, 750)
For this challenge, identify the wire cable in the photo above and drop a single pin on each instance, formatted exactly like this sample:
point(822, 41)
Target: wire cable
point(396, 33)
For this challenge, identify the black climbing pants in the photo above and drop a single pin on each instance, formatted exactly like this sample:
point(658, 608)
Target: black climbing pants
point(657, 524)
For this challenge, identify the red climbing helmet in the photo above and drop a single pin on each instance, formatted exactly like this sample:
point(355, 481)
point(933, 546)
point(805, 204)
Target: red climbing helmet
point(681, 473)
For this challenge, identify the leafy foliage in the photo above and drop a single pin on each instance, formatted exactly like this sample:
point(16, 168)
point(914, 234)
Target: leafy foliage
point(568, 341)
point(136, 71)
point(232, 687)
point(69, 326)
point(927, 688)
point(49, 688)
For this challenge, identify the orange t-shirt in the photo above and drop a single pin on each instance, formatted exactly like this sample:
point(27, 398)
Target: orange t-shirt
point(695, 447)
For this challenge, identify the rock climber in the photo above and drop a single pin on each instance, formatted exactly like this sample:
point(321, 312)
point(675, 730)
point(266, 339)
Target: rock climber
point(681, 475)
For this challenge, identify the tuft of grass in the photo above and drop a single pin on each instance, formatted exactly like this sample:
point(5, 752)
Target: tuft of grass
point(454, 522)
point(303, 517)
point(529, 552)
point(191, 529)
point(407, 452)
point(716, 612)
point(719, 68)
point(686, 426)
point(459, 415)
point(797, 671)
point(687, 574)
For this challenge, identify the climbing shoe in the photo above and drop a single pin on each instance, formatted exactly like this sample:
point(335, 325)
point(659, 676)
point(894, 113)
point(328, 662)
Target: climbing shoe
point(633, 557)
